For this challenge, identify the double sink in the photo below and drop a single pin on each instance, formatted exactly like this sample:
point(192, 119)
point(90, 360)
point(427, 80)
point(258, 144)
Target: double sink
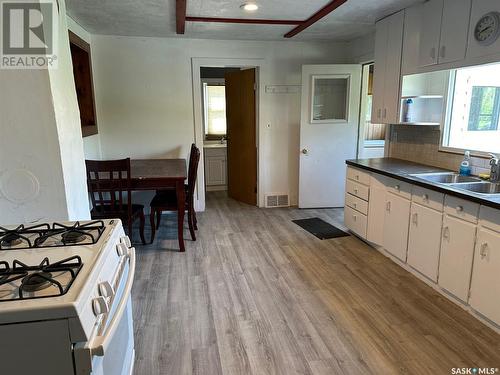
point(468, 183)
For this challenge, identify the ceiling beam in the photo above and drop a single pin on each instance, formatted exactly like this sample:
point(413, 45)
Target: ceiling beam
point(327, 9)
point(244, 20)
point(180, 15)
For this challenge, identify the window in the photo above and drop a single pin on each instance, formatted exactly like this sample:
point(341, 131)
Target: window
point(474, 109)
point(215, 110)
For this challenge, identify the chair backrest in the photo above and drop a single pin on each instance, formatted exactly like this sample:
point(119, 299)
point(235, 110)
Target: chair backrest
point(108, 182)
point(194, 159)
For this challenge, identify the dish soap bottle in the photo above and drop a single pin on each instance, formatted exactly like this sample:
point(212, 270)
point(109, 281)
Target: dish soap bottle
point(465, 168)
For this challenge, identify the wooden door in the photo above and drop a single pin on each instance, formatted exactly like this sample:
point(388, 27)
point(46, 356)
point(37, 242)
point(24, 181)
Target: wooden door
point(485, 285)
point(241, 136)
point(397, 214)
point(424, 240)
point(457, 249)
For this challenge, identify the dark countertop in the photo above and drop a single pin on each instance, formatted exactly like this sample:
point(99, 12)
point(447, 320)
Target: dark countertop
point(402, 170)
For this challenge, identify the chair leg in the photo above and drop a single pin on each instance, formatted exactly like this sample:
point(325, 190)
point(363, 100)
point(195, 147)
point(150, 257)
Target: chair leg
point(193, 212)
point(152, 223)
point(191, 224)
point(158, 219)
point(141, 229)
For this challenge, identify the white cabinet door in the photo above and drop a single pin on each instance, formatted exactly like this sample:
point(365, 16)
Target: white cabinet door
point(424, 240)
point(430, 31)
point(453, 43)
point(411, 41)
point(474, 49)
point(215, 167)
point(397, 213)
point(379, 73)
point(376, 211)
point(457, 249)
point(393, 68)
point(485, 285)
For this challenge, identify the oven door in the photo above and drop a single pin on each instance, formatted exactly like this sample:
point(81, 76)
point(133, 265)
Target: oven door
point(112, 351)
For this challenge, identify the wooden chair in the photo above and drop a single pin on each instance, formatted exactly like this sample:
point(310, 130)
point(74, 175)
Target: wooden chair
point(166, 200)
point(109, 188)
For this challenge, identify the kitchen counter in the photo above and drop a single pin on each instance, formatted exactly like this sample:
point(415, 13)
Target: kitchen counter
point(215, 145)
point(402, 170)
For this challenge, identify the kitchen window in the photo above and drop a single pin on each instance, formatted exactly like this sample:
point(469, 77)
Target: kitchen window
point(214, 110)
point(474, 109)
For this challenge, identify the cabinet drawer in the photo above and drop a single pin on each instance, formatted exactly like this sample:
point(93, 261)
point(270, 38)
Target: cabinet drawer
point(355, 221)
point(461, 208)
point(427, 198)
point(357, 189)
point(490, 218)
point(400, 188)
point(356, 203)
point(358, 176)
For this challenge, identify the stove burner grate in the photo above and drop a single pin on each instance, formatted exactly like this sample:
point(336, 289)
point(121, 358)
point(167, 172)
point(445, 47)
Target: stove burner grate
point(36, 278)
point(73, 236)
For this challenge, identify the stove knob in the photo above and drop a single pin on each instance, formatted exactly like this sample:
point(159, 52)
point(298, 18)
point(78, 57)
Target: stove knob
point(100, 306)
point(121, 249)
point(125, 240)
point(106, 290)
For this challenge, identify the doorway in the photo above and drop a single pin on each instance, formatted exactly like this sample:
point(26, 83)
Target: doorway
point(229, 118)
point(371, 136)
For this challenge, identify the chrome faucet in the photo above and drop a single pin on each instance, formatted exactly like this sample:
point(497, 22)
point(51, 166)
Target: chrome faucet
point(495, 168)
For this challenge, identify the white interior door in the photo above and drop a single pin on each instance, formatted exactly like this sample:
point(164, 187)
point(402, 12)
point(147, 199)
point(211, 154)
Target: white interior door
point(328, 132)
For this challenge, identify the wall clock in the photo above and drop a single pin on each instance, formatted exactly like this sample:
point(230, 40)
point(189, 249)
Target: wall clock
point(487, 29)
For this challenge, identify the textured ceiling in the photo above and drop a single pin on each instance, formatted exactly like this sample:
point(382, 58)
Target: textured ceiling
point(156, 18)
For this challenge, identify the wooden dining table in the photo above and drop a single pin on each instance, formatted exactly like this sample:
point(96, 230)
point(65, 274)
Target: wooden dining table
point(158, 174)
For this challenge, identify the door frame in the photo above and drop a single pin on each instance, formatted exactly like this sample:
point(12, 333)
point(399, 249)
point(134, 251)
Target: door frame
point(199, 130)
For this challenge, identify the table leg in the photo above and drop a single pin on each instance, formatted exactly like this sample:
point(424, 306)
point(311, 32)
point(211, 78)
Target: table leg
point(181, 204)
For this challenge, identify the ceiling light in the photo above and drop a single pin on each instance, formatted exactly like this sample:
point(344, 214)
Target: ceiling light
point(249, 7)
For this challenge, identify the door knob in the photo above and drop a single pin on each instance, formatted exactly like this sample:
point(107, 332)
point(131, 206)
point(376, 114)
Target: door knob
point(304, 151)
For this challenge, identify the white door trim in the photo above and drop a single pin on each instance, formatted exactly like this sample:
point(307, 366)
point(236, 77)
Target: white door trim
point(261, 73)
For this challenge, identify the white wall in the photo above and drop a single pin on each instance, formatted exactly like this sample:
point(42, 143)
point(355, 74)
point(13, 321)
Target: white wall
point(143, 89)
point(362, 50)
point(41, 151)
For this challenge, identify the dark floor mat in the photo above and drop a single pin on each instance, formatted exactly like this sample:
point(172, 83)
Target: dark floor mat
point(320, 228)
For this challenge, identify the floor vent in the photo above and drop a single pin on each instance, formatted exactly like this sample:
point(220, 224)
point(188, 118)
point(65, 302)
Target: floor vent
point(277, 200)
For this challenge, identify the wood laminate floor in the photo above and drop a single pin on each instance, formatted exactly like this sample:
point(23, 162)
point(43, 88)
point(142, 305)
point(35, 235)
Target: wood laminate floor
point(256, 294)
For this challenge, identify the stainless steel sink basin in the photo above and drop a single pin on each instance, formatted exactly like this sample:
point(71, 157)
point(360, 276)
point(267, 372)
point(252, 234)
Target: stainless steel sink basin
point(446, 177)
point(480, 187)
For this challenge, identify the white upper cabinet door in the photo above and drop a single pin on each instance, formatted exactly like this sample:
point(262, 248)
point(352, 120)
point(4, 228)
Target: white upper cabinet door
point(393, 68)
point(424, 240)
point(485, 286)
point(457, 249)
point(379, 72)
point(475, 48)
point(430, 32)
point(411, 39)
point(453, 44)
point(397, 213)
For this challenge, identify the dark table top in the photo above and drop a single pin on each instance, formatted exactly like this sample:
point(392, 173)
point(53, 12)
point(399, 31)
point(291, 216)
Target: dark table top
point(173, 169)
point(402, 170)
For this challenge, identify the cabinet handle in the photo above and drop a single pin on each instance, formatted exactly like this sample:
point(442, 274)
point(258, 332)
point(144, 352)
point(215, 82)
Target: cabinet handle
point(397, 187)
point(433, 53)
point(355, 191)
point(425, 197)
point(459, 208)
point(354, 217)
point(446, 233)
point(483, 250)
point(415, 218)
point(357, 177)
point(442, 52)
point(379, 111)
point(385, 112)
point(388, 206)
point(355, 205)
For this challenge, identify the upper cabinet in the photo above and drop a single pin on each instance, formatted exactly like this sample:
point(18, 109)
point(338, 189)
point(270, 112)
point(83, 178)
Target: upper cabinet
point(443, 37)
point(387, 73)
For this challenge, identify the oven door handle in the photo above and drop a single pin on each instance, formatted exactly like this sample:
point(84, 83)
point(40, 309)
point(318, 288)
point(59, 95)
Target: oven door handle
point(100, 343)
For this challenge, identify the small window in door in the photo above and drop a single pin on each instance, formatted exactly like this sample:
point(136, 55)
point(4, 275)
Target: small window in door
point(330, 99)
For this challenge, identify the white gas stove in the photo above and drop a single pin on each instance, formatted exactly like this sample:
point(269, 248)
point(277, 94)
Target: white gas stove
point(65, 298)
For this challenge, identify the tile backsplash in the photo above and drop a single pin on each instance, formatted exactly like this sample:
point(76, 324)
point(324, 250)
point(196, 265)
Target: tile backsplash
point(420, 144)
